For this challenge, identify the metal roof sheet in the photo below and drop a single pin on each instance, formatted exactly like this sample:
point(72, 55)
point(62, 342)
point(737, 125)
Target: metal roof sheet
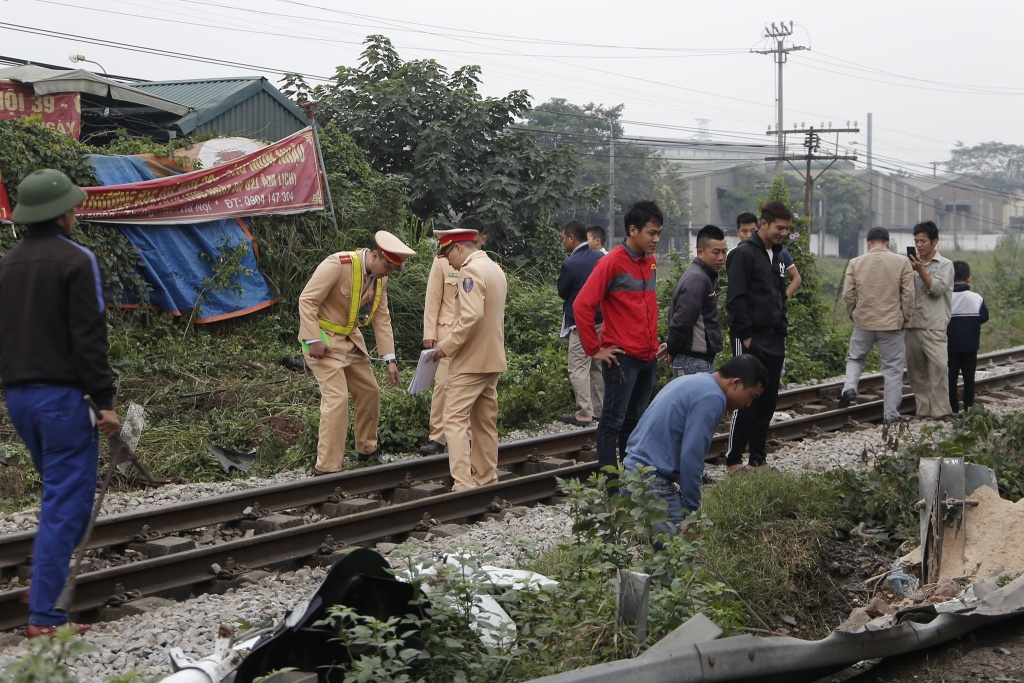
point(211, 98)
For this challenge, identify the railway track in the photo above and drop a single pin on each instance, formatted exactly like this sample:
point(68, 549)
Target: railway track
point(183, 550)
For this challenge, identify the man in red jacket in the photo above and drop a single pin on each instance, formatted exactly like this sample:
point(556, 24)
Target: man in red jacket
point(623, 287)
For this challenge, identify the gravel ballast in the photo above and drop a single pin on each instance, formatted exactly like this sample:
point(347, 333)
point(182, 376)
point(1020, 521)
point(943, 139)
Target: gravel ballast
point(141, 642)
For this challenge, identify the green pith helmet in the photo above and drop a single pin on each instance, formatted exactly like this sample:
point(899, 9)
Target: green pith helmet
point(44, 195)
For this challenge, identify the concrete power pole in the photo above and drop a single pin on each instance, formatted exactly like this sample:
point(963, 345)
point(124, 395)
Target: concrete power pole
point(812, 143)
point(611, 180)
point(780, 33)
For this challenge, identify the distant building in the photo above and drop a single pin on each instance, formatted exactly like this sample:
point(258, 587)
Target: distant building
point(969, 216)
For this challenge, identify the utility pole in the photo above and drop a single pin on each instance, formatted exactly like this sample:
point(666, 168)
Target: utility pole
point(812, 143)
point(779, 34)
point(611, 180)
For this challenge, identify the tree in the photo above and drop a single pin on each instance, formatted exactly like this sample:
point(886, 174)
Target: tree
point(639, 172)
point(995, 161)
point(455, 149)
point(844, 202)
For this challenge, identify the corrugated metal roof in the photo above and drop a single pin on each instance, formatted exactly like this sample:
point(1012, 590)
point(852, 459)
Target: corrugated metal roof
point(260, 105)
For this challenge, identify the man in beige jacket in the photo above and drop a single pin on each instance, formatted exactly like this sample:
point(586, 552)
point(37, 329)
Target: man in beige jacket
point(348, 290)
point(476, 347)
point(440, 309)
point(879, 298)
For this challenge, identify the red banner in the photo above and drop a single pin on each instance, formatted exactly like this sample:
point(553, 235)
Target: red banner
point(62, 112)
point(5, 203)
point(282, 178)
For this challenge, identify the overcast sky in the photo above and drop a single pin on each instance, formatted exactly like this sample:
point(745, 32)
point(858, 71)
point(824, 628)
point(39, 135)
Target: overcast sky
point(932, 72)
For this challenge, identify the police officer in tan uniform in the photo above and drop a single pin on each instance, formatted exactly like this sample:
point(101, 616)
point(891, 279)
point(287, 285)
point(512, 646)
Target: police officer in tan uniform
point(347, 291)
point(440, 309)
point(476, 347)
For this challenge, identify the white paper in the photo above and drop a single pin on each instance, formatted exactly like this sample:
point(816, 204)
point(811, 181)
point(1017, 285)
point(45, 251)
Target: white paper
point(425, 371)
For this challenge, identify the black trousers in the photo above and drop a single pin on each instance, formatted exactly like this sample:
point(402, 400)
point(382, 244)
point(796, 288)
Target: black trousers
point(750, 425)
point(965, 362)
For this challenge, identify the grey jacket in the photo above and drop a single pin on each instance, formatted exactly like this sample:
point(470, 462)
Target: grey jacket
point(933, 307)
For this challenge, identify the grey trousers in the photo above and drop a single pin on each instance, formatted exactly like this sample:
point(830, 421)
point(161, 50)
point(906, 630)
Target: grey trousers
point(927, 358)
point(586, 376)
point(892, 351)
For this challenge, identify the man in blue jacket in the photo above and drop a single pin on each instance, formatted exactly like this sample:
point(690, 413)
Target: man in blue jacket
point(694, 331)
point(676, 431)
point(758, 324)
point(585, 373)
point(53, 352)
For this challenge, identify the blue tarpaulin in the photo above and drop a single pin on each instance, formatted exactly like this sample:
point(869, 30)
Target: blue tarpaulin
point(179, 259)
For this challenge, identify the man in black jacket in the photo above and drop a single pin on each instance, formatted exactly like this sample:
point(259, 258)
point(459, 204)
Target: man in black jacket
point(53, 352)
point(756, 306)
point(585, 373)
point(694, 331)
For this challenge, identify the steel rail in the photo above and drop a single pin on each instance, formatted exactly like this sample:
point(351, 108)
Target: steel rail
point(96, 587)
point(117, 529)
point(182, 570)
point(121, 528)
point(873, 382)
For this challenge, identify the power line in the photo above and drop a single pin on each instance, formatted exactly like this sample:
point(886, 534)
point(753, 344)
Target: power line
point(152, 51)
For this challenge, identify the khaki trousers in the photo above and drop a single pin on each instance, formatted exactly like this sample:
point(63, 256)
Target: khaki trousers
point(338, 377)
point(586, 376)
point(437, 398)
point(927, 357)
point(471, 402)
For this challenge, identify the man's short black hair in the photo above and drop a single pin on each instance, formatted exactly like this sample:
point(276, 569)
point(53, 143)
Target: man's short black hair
point(747, 369)
point(577, 229)
point(642, 213)
point(598, 232)
point(472, 223)
point(744, 218)
point(708, 233)
point(928, 228)
point(961, 271)
point(775, 211)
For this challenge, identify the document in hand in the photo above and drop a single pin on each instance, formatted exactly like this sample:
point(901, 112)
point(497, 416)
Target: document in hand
point(425, 371)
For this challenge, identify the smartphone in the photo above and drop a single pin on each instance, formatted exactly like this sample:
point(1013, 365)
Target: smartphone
point(912, 251)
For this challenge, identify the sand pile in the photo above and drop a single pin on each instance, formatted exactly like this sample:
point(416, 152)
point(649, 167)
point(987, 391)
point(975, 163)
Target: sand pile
point(994, 529)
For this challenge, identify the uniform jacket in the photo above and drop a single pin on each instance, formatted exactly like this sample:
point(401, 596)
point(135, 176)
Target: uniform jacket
point(879, 290)
point(623, 285)
point(571, 278)
point(693, 325)
point(327, 295)
point(932, 307)
point(477, 341)
point(441, 306)
point(969, 312)
point(756, 302)
point(53, 325)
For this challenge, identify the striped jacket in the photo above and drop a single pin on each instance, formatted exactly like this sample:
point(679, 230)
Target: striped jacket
point(623, 286)
point(969, 312)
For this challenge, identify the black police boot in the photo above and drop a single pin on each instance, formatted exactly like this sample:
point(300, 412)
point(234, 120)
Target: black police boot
point(432, 448)
point(369, 457)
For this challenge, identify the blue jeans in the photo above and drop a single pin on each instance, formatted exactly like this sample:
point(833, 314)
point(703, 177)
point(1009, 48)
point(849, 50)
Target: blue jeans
point(54, 423)
point(667, 490)
point(688, 365)
point(627, 391)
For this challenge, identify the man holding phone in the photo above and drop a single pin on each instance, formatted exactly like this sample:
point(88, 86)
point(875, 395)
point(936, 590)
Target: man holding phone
point(926, 331)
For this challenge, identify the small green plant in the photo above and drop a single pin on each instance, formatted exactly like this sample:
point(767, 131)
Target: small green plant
point(45, 659)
